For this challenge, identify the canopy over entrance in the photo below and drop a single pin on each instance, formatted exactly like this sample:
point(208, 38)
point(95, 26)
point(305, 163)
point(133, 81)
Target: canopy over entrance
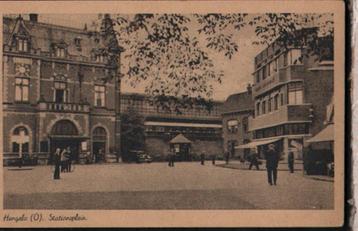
point(256, 143)
point(180, 139)
point(326, 135)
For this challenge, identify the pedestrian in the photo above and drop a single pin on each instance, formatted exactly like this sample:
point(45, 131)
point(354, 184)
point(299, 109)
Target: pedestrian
point(272, 158)
point(202, 158)
point(171, 157)
point(213, 159)
point(254, 161)
point(227, 156)
point(64, 160)
point(291, 161)
point(69, 159)
point(57, 162)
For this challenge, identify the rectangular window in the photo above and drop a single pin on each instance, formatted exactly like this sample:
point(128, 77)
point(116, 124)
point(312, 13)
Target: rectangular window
point(60, 92)
point(269, 105)
point(258, 109)
point(99, 96)
point(264, 72)
point(282, 99)
point(263, 107)
point(60, 52)
point(22, 45)
point(275, 102)
point(295, 56)
point(295, 94)
point(22, 89)
point(275, 65)
point(257, 74)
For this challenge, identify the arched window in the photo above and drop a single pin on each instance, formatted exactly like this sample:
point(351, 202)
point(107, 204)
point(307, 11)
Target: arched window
point(64, 127)
point(20, 140)
point(99, 134)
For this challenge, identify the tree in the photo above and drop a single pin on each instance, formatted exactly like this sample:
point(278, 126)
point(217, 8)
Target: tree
point(132, 136)
point(170, 51)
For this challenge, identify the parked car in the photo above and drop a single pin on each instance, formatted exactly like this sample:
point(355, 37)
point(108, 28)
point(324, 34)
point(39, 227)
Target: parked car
point(142, 157)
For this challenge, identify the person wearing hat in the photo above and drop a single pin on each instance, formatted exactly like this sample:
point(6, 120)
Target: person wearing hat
point(272, 158)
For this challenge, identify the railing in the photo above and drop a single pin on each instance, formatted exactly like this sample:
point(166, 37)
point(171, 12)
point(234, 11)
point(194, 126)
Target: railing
point(64, 107)
point(286, 113)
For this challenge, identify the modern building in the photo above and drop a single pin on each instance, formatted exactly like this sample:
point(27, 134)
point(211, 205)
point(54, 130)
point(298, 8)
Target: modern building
point(199, 127)
point(291, 90)
point(235, 121)
point(58, 91)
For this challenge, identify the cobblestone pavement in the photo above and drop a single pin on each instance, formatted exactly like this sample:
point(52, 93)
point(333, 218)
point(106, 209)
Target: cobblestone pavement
point(157, 186)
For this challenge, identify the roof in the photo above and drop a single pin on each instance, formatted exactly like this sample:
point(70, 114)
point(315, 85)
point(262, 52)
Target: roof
point(326, 135)
point(180, 139)
point(238, 102)
point(44, 35)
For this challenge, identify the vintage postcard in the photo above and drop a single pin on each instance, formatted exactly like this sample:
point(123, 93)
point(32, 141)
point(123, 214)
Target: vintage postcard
point(172, 114)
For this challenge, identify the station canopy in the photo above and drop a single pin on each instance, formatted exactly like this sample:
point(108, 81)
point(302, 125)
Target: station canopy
point(256, 143)
point(326, 135)
point(180, 139)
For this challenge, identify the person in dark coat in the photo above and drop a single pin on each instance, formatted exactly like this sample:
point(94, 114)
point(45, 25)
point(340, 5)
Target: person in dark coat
point(227, 156)
point(69, 159)
point(171, 157)
point(57, 162)
point(64, 160)
point(202, 158)
point(213, 159)
point(254, 161)
point(291, 161)
point(272, 158)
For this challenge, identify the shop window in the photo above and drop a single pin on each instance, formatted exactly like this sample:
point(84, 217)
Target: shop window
point(275, 102)
point(22, 89)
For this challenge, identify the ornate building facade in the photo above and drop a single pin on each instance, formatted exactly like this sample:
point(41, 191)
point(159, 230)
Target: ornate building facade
point(58, 91)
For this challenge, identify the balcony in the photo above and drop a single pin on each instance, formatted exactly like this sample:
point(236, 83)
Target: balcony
point(64, 107)
point(291, 72)
point(284, 114)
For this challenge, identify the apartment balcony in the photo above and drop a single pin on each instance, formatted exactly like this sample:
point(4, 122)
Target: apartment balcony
point(64, 107)
point(288, 73)
point(284, 114)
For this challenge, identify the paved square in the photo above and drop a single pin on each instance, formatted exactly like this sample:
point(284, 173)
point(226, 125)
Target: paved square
point(157, 186)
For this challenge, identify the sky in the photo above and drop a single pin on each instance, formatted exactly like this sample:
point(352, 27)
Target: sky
point(237, 70)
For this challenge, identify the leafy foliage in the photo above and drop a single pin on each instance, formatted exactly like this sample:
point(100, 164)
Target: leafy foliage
point(132, 133)
point(166, 50)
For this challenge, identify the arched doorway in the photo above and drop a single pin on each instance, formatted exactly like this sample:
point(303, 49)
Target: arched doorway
point(64, 133)
point(99, 143)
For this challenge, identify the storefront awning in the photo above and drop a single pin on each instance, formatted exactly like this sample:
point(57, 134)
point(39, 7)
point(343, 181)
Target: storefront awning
point(256, 143)
point(327, 134)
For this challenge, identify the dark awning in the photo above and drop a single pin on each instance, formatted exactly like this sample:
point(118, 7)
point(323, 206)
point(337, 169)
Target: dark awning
point(326, 135)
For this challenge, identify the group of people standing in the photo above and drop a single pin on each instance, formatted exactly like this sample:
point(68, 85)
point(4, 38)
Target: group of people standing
point(63, 161)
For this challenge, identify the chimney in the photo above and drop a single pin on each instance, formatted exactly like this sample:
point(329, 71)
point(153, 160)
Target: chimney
point(34, 17)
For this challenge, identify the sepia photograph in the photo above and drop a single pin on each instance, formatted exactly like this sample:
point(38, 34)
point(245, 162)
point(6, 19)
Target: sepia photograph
point(170, 111)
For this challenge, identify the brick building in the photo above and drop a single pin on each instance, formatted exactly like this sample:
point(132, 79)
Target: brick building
point(202, 127)
point(58, 90)
point(291, 91)
point(235, 113)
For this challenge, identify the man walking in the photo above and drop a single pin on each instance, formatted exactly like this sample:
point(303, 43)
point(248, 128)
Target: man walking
point(57, 162)
point(272, 158)
point(69, 159)
point(291, 161)
point(213, 159)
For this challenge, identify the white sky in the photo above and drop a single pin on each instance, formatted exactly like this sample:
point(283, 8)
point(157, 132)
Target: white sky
point(237, 71)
